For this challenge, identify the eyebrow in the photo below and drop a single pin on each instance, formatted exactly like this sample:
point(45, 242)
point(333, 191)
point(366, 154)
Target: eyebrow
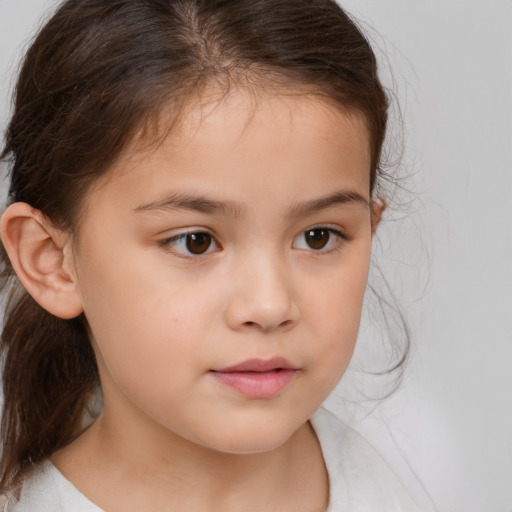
point(338, 198)
point(194, 203)
point(235, 209)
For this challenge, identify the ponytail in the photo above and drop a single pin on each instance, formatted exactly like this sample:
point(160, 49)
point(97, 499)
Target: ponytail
point(49, 375)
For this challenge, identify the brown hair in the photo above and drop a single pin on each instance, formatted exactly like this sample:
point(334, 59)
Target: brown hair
point(100, 72)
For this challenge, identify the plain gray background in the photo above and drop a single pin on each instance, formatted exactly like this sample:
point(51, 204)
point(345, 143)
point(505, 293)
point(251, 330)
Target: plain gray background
point(448, 431)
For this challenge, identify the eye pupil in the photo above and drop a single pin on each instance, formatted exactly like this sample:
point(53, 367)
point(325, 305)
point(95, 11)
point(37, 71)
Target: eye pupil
point(198, 243)
point(317, 238)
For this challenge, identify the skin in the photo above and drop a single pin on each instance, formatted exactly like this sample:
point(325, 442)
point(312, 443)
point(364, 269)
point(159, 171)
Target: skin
point(162, 319)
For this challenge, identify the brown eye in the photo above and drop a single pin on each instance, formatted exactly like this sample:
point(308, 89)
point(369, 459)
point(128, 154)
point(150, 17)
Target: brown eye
point(317, 238)
point(198, 243)
point(191, 244)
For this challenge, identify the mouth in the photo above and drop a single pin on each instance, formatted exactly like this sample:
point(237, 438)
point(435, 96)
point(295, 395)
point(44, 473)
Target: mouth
point(257, 378)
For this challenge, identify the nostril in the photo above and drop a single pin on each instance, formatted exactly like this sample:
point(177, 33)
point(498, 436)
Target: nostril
point(281, 325)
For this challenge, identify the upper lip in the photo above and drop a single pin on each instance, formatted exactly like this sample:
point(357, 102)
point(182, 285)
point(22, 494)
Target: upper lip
point(259, 365)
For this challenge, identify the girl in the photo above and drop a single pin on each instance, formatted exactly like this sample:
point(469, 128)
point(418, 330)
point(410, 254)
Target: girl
point(192, 203)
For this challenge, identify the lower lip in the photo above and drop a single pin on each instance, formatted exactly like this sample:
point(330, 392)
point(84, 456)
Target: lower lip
point(257, 385)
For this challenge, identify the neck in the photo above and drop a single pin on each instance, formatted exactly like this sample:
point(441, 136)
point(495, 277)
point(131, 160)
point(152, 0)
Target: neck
point(106, 460)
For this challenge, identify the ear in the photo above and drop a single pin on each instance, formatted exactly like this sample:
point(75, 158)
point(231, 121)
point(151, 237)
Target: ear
point(378, 206)
point(42, 258)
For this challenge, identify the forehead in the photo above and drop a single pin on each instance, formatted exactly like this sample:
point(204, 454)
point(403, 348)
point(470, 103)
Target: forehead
point(229, 136)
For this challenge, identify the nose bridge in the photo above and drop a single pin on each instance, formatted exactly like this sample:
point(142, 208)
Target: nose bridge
point(263, 295)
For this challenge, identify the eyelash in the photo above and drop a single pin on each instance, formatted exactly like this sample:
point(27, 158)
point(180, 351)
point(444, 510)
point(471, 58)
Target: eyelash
point(168, 243)
point(182, 237)
point(336, 239)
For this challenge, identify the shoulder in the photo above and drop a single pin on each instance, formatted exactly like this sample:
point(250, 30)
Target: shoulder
point(359, 478)
point(45, 489)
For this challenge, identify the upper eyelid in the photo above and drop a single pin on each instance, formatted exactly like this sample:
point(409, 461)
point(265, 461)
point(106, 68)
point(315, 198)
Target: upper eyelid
point(339, 234)
point(165, 243)
point(335, 230)
point(188, 231)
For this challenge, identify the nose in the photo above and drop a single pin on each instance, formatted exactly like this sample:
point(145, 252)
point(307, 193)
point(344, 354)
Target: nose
point(263, 296)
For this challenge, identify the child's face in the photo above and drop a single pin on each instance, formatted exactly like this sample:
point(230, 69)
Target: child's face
point(277, 194)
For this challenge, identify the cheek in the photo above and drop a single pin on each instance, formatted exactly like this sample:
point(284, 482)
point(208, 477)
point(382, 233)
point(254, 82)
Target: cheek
point(334, 309)
point(147, 321)
point(150, 355)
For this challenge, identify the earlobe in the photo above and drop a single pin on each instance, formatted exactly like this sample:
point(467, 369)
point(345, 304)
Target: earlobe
point(378, 206)
point(39, 253)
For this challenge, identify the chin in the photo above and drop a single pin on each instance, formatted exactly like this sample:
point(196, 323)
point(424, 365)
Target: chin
point(244, 445)
point(251, 437)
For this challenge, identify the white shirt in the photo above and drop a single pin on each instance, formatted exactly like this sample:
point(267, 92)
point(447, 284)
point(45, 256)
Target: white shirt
point(359, 479)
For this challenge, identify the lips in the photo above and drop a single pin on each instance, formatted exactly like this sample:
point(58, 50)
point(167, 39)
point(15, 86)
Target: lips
point(259, 365)
point(257, 378)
